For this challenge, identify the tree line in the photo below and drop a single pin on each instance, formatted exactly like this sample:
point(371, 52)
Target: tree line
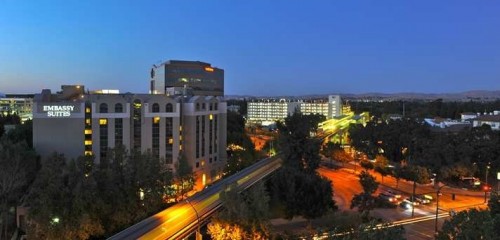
point(425, 109)
point(408, 144)
point(78, 199)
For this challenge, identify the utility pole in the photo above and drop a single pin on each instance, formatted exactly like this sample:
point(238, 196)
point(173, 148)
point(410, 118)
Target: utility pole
point(198, 231)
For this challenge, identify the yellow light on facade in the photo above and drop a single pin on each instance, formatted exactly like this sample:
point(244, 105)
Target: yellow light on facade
point(170, 141)
point(211, 116)
point(202, 163)
point(156, 120)
point(87, 121)
point(180, 128)
point(209, 69)
point(87, 110)
point(88, 142)
point(88, 153)
point(204, 179)
point(180, 137)
point(103, 121)
point(88, 131)
point(180, 147)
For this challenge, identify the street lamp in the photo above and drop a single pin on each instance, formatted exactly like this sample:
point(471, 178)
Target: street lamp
point(198, 233)
point(486, 177)
point(438, 192)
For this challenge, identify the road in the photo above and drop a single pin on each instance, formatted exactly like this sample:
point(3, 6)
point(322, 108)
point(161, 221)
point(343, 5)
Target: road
point(183, 218)
point(346, 183)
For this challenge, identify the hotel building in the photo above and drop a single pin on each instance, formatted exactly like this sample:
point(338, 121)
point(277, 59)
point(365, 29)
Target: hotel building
point(76, 123)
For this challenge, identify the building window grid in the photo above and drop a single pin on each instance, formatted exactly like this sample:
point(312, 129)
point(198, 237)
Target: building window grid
point(210, 136)
point(197, 136)
point(103, 138)
point(137, 118)
point(169, 141)
point(156, 136)
point(215, 134)
point(203, 136)
point(118, 131)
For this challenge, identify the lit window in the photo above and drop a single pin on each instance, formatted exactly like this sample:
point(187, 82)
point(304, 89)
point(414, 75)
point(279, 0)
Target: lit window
point(88, 131)
point(87, 110)
point(170, 141)
point(87, 121)
point(180, 128)
point(88, 153)
point(211, 116)
point(202, 163)
point(103, 121)
point(180, 147)
point(156, 120)
point(88, 142)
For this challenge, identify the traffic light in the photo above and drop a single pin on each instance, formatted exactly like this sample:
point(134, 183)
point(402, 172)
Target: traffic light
point(487, 188)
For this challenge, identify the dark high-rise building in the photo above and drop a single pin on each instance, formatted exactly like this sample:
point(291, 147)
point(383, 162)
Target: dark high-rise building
point(201, 78)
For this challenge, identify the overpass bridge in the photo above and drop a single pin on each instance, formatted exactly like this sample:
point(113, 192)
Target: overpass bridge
point(334, 126)
point(184, 218)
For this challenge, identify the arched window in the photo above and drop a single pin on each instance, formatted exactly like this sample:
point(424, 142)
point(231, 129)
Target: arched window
point(103, 108)
point(118, 108)
point(169, 108)
point(156, 107)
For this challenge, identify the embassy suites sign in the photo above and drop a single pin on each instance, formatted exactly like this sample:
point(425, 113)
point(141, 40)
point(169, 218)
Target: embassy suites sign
point(58, 110)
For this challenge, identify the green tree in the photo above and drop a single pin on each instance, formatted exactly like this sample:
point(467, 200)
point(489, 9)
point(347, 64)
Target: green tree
point(297, 189)
point(365, 201)
point(245, 214)
point(299, 146)
point(470, 224)
point(342, 156)
point(185, 176)
point(382, 166)
point(22, 133)
point(18, 168)
point(329, 149)
point(61, 202)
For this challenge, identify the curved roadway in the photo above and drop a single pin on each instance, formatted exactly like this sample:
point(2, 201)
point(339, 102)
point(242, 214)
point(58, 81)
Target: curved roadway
point(183, 218)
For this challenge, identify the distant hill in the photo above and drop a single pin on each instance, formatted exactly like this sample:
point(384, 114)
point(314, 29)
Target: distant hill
point(461, 96)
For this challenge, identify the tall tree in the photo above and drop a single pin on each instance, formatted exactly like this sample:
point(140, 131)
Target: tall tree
point(185, 176)
point(245, 215)
point(469, 224)
point(365, 200)
point(18, 168)
point(61, 202)
point(300, 147)
point(382, 166)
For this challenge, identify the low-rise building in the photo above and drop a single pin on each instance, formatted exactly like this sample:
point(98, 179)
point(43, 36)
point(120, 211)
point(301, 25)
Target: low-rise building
point(492, 120)
point(268, 111)
point(17, 104)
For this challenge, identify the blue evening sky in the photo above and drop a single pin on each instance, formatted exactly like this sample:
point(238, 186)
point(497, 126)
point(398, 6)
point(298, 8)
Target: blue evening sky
point(279, 47)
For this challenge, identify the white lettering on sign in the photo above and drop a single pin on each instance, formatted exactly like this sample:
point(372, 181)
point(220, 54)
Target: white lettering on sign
point(58, 111)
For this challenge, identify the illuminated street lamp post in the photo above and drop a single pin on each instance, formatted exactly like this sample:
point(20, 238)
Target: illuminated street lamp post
point(438, 192)
point(198, 233)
